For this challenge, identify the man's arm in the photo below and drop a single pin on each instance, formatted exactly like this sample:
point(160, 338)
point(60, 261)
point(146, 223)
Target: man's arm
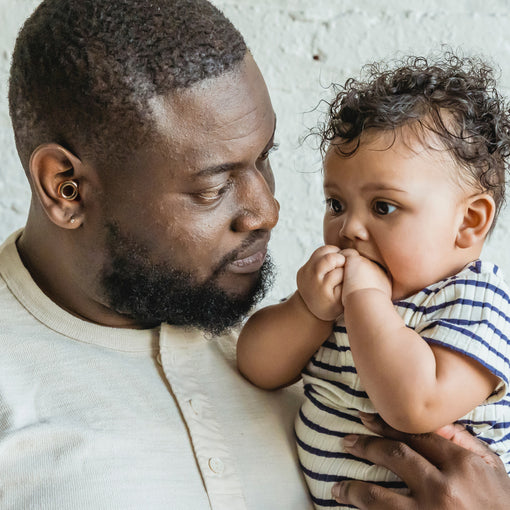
point(442, 474)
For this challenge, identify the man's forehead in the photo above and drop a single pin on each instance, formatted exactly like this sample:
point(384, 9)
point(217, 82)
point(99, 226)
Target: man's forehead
point(230, 106)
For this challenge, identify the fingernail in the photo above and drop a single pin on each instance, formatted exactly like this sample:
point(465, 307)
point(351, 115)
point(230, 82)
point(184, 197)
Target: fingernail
point(350, 440)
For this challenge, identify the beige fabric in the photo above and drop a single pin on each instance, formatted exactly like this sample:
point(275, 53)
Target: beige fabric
point(106, 418)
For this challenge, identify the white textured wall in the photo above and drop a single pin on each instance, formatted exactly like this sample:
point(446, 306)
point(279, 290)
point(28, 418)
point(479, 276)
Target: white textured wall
point(285, 36)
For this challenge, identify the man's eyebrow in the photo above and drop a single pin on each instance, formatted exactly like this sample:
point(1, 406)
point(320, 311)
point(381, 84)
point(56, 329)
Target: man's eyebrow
point(218, 169)
point(229, 167)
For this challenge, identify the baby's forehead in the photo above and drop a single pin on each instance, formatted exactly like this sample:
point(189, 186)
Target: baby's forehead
point(411, 137)
point(403, 143)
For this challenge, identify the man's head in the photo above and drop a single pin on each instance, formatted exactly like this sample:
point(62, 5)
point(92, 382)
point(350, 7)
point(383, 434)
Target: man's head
point(84, 71)
point(160, 115)
point(450, 103)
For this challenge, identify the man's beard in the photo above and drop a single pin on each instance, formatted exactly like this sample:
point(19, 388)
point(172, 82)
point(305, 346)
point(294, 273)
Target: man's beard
point(153, 293)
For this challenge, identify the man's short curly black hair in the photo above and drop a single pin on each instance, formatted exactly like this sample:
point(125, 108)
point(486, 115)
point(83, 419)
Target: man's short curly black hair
point(83, 71)
point(453, 97)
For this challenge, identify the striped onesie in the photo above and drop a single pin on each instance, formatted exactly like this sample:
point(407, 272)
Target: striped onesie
point(468, 312)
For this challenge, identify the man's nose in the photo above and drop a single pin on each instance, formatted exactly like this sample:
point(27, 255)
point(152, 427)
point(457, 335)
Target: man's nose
point(258, 208)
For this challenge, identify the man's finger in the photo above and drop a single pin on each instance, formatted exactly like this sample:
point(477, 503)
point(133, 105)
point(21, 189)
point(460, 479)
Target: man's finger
point(440, 451)
point(457, 434)
point(396, 456)
point(367, 496)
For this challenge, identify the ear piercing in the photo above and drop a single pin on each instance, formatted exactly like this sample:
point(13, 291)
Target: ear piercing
point(68, 190)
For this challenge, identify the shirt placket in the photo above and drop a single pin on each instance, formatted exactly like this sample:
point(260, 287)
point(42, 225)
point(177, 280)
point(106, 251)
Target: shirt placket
point(181, 355)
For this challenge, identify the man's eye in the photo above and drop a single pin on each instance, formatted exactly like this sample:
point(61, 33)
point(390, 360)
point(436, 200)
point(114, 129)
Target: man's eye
point(265, 154)
point(212, 194)
point(334, 205)
point(383, 208)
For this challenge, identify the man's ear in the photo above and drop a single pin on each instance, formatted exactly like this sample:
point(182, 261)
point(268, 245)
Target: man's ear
point(479, 214)
point(55, 172)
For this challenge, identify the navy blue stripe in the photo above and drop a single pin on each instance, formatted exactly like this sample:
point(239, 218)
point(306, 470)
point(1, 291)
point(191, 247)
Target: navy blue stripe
point(327, 454)
point(482, 362)
point(338, 478)
point(460, 301)
point(476, 267)
point(332, 368)
point(319, 428)
point(344, 387)
point(339, 329)
point(479, 339)
point(468, 283)
point(494, 425)
point(319, 405)
point(488, 440)
point(328, 502)
point(331, 345)
point(446, 322)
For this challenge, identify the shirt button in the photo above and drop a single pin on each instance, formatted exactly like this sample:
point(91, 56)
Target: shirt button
point(216, 465)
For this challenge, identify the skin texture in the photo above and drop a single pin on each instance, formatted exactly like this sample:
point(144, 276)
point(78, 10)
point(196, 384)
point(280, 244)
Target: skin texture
point(453, 472)
point(201, 195)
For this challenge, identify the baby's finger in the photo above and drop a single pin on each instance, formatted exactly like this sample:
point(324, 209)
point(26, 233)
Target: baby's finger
point(328, 263)
point(324, 250)
point(334, 277)
point(350, 252)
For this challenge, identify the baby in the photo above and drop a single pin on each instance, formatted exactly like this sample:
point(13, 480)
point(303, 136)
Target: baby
point(396, 314)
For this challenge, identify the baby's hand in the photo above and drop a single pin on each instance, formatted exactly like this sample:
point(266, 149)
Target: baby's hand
point(361, 273)
point(319, 282)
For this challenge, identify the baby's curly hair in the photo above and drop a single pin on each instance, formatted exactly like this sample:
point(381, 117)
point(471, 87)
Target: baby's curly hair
point(455, 98)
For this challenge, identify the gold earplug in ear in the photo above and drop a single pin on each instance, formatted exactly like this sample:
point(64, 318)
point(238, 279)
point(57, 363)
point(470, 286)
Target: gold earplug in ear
point(68, 190)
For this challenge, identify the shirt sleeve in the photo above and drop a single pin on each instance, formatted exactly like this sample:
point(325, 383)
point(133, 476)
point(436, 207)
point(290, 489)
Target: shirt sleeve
point(469, 313)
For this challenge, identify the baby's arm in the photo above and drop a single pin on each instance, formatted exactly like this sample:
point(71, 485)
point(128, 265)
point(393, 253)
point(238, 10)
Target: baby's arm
point(277, 341)
point(415, 387)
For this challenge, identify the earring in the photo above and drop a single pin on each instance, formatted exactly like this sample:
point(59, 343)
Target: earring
point(68, 190)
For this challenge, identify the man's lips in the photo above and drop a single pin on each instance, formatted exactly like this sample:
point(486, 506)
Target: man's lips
point(249, 261)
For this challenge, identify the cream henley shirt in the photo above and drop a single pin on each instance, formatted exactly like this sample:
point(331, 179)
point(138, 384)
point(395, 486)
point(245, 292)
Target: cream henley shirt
point(93, 417)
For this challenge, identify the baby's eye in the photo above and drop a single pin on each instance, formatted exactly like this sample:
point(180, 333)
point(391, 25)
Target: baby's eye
point(334, 205)
point(384, 208)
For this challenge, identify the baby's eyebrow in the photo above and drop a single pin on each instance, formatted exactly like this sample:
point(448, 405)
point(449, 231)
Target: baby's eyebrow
point(381, 186)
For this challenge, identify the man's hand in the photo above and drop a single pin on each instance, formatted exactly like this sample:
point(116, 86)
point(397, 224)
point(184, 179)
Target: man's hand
point(319, 283)
point(442, 474)
point(361, 273)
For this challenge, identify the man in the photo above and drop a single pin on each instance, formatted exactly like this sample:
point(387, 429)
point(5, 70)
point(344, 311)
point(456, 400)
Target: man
point(144, 127)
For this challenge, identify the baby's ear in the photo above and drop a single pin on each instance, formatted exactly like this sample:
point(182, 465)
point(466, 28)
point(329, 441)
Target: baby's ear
point(479, 214)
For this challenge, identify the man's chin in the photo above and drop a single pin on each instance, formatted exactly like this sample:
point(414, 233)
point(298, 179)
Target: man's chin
point(155, 295)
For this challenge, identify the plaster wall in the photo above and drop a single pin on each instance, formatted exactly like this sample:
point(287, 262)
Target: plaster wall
point(302, 47)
